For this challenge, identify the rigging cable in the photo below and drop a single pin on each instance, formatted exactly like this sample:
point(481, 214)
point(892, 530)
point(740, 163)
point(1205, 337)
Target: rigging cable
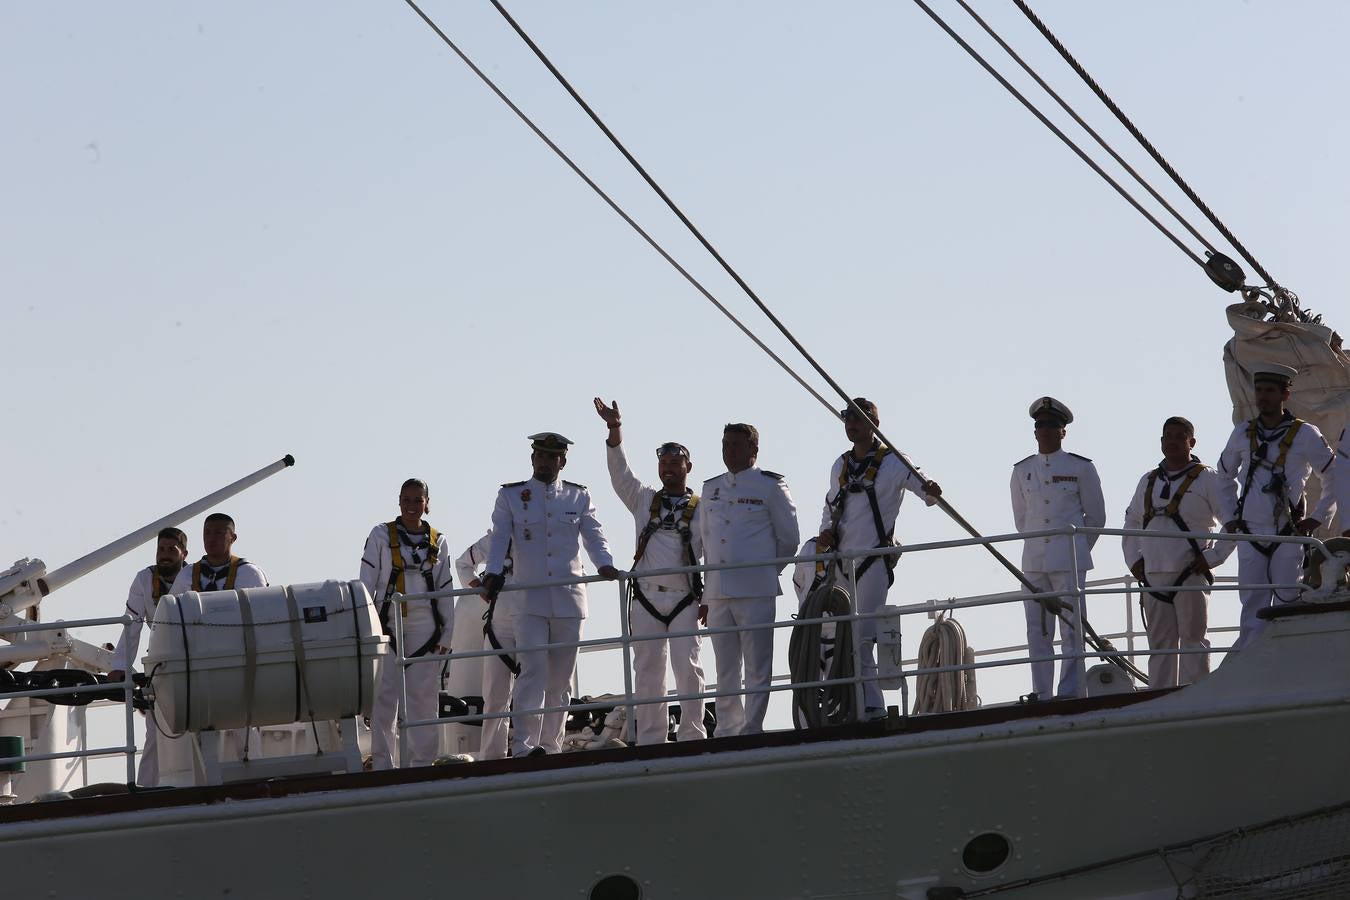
point(1101, 141)
point(1103, 647)
point(1093, 638)
point(520, 114)
point(1147, 145)
point(1055, 129)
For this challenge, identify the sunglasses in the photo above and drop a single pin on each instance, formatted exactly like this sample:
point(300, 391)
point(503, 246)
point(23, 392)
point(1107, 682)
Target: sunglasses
point(672, 447)
point(1048, 423)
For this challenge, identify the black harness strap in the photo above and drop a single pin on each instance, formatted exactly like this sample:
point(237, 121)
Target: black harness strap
point(865, 482)
point(686, 537)
point(1173, 512)
point(507, 659)
point(398, 584)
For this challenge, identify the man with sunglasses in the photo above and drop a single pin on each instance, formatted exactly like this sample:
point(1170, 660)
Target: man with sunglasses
point(1051, 489)
point(666, 519)
point(862, 502)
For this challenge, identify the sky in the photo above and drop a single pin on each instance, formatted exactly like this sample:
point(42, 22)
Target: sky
point(233, 232)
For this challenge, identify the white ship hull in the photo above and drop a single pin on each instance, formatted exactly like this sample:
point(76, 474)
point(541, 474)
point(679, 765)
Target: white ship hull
point(883, 816)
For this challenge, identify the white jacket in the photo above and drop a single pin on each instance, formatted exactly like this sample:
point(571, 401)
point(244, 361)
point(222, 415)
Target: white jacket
point(377, 567)
point(246, 576)
point(746, 516)
point(545, 526)
point(1309, 451)
point(857, 528)
point(1207, 504)
point(1052, 491)
point(141, 607)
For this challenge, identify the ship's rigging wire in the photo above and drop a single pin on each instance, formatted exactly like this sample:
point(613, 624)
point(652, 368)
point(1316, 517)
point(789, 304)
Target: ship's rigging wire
point(1093, 639)
point(1145, 143)
point(1098, 644)
point(609, 201)
point(1101, 141)
point(1058, 132)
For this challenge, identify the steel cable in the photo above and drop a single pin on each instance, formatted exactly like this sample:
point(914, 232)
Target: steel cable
point(1144, 142)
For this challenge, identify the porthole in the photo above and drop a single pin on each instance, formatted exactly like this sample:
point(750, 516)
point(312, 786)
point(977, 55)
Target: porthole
point(986, 852)
point(616, 887)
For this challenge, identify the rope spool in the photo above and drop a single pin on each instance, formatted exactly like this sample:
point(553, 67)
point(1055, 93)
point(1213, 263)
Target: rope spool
point(943, 645)
point(833, 704)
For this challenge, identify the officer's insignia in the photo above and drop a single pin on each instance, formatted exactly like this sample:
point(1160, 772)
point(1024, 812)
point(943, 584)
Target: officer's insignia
point(1059, 478)
point(716, 492)
point(525, 495)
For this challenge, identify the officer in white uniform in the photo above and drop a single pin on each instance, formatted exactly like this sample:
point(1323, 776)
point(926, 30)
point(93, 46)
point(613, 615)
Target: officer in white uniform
point(1051, 489)
point(499, 633)
point(867, 485)
point(408, 556)
point(221, 570)
point(147, 587)
point(1180, 494)
point(1269, 459)
point(544, 522)
point(747, 515)
point(666, 522)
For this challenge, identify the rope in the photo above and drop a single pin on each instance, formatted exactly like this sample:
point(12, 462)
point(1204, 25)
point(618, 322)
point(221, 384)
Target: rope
point(835, 704)
point(1144, 142)
point(609, 201)
point(1058, 133)
point(1101, 141)
point(944, 644)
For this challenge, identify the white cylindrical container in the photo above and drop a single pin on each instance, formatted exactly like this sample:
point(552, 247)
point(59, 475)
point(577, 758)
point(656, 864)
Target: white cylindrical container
point(263, 656)
point(464, 677)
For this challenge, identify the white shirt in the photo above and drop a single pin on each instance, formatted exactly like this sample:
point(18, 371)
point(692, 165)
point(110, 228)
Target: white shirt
point(246, 576)
point(545, 526)
point(377, 567)
point(857, 529)
point(141, 607)
point(1341, 480)
point(1307, 453)
point(803, 573)
point(1051, 491)
point(665, 548)
point(1207, 504)
point(746, 516)
point(472, 563)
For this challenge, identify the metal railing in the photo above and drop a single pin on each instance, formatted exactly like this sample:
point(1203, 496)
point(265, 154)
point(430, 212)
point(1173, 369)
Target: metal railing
point(910, 668)
point(1128, 586)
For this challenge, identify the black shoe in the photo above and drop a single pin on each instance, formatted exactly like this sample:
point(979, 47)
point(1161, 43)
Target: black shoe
point(537, 751)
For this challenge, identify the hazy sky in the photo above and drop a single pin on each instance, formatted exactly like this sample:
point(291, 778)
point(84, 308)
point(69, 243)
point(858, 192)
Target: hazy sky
point(232, 231)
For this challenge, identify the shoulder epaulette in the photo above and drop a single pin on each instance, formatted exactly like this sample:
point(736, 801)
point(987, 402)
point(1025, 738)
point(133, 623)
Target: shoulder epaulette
point(1020, 461)
point(774, 475)
point(711, 480)
point(1076, 456)
point(575, 485)
point(513, 484)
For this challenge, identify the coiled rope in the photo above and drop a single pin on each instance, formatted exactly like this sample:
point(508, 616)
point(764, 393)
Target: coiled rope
point(944, 645)
point(833, 704)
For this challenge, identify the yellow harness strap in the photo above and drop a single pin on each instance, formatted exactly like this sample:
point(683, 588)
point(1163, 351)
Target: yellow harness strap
point(397, 583)
point(229, 576)
point(1285, 442)
point(868, 479)
point(1173, 508)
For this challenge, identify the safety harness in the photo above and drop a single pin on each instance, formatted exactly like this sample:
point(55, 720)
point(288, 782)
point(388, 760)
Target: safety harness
point(855, 479)
point(507, 659)
point(398, 583)
point(1278, 485)
point(655, 523)
point(158, 585)
point(1172, 511)
point(231, 572)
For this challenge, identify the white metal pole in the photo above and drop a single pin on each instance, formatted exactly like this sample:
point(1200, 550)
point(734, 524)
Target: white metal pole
point(625, 608)
point(1078, 652)
point(859, 697)
point(396, 611)
point(130, 723)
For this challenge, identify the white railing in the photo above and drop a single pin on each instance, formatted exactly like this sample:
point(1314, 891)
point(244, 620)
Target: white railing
point(1126, 586)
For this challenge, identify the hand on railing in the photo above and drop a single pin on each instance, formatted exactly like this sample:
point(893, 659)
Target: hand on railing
point(492, 584)
point(609, 572)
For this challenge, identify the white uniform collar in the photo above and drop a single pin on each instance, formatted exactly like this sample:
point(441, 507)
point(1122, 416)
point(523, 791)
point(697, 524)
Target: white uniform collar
point(1050, 456)
point(732, 476)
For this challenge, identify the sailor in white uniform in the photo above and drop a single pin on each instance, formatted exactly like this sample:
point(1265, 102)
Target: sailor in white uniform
point(747, 515)
point(1180, 494)
point(1051, 489)
point(862, 501)
point(666, 522)
point(499, 633)
point(543, 523)
point(409, 556)
point(1269, 458)
point(221, 570)
point(147, 587)
point(1341, 481)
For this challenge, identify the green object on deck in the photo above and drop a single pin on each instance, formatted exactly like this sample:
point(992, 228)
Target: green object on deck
point(11, 745)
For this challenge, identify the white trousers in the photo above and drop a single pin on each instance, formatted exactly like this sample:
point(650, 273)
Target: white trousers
point(1254, 567)
point(497, 685)
point(869, 595)
point(1041, 634)
point(424, 688)
point(737, 651)
point(1179, 625)
point(545, 680)
point(649, 674)
point(147, 773)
